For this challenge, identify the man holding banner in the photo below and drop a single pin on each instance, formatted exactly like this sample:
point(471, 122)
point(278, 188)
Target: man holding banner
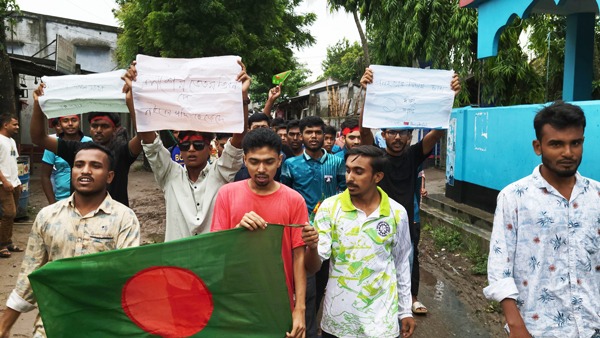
point(190, 190)
point(103, 127)
point(89, 221)
point(400, 171)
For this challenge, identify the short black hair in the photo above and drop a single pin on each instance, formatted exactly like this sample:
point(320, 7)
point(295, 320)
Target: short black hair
point(280, 126)
point(112, 116)
point(375, 154)
point(223, 135)
point(276, 122)
point(311, 121)
point(330, 130)
point(261, 137)
point(560, 115)
point(258, 117)
point(96, 146)
point(293, 124)
point(6, 118)
point(351, 122)
point(205, 135)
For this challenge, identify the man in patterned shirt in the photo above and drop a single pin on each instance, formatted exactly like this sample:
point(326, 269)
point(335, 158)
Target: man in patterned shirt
point(365, 235)
point(89, 221)
point(544, 261)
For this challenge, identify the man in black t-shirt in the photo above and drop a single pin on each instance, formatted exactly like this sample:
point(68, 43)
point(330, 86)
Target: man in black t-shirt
point(103, 128)
point(400, 175)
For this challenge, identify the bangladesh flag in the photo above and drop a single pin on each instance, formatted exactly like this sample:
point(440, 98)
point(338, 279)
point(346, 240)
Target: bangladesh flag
point(222, 284)
point(279, 78)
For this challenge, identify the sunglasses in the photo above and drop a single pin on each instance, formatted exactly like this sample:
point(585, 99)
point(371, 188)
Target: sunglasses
point(185, 145)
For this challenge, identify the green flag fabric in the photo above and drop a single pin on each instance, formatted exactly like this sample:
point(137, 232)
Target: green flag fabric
point(279, 78)
point(223, 284)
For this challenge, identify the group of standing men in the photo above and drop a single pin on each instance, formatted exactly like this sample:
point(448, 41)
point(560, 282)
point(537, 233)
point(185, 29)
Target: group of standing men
point(357, 207)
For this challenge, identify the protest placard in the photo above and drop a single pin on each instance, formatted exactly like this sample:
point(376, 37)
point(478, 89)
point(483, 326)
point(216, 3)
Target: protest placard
point(402, 97)
point(79, 94)
point(188, 94)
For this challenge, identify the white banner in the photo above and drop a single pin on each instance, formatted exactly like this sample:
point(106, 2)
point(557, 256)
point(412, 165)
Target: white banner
point(188, 94)
point(402, 97)
point(79, 94)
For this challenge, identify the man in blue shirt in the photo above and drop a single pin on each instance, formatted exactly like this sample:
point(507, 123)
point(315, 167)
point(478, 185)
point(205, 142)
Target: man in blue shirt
point(350, 134)
point(316, 175)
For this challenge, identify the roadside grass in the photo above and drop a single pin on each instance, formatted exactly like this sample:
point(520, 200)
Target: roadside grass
point(453, 241)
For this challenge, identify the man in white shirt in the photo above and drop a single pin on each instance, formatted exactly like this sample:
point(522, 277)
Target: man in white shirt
point(9, 180)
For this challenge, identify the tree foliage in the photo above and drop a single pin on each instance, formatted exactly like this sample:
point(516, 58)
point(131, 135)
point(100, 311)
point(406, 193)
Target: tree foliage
point(344, 61)
point(263, 33)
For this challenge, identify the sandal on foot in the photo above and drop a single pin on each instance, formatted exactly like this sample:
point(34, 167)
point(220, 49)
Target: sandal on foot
point(418, 308)
point(4, 253)
point(14, 248)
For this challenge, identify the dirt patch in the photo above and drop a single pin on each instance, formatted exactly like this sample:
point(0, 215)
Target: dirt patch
point(456, 268)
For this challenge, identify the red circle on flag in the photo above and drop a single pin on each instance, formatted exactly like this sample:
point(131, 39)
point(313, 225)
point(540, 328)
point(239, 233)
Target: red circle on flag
point(167, 301)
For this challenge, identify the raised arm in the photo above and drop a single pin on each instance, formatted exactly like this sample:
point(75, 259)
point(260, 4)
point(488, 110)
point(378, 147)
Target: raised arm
point(274, 94)
point(366, 136)
point(147, 137)
point(243, 77)
point(434, 136)
point(38, 132)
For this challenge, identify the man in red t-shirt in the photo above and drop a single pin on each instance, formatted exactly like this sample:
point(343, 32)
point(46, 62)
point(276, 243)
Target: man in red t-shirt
point(259, 200)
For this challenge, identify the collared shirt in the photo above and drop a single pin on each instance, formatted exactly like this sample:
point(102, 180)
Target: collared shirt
point(545, 254)
point(8, 160)
point(60, 231)
point(190, 204)
point(314, 179)
point(369, 273)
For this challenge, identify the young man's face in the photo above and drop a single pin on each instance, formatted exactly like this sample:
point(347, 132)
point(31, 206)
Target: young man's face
point(262, 164)
point(221, 142)
point(12, 127)
point(352, 139)
point(561, 150)
point(328, 142)
point(360, 178)
point(195, 151)
point(69, 124)
point(102, 131)
point(282, 133)
point(259, 124)
point(294, 138)
point(312, 137)
point(91, 172)
point(396, 140)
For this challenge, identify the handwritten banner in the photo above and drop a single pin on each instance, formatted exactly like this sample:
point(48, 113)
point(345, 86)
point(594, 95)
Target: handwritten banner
point(402, 97)
point(188, 94)
point(79, 94)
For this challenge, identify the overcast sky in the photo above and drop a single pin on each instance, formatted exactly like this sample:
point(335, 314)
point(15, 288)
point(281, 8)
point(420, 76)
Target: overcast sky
point(327, 30)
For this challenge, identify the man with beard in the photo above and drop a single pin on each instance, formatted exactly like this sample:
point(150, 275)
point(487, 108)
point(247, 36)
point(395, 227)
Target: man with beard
point(103, 128)
point(87, 222)
point(400, 177)
point(294, 137)
point(544, 260)
point(316, 175)
point(60, 188)
point(365, 233)
point(250, 204)
point(10, 185)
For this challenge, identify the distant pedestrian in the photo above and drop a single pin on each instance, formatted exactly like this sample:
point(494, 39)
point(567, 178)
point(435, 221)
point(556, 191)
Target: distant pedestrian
point(9, 180)
point(544, 260)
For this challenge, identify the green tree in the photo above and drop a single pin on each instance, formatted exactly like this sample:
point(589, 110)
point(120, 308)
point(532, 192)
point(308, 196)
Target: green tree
point(442, 33)
point(263, 33)
point(356, 7)
point(345, 61)
point(7, 84)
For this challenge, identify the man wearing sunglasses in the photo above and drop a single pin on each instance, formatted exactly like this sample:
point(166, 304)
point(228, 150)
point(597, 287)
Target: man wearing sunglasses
point(190, 190)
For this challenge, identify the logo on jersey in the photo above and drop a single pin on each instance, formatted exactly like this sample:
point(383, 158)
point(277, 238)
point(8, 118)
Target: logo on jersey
point(383, 229)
